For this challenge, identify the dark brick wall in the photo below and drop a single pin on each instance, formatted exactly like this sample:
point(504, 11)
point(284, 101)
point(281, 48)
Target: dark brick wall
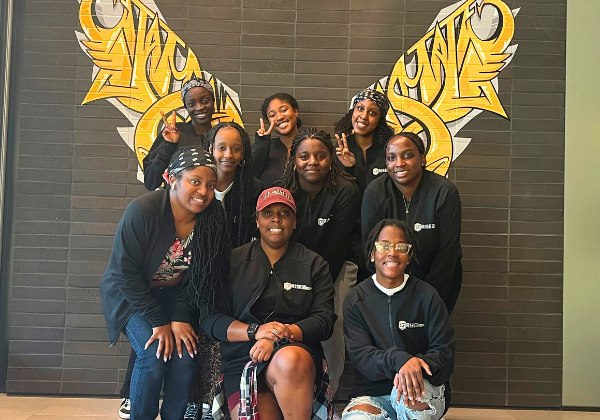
point(76, 175)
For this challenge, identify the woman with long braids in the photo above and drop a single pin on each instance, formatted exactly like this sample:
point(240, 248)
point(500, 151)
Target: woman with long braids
point(170, 257)
point(328, 208)
point(361, 136)
point(198, 99)
point(270, 154)
point(429, 204)
point(236, 187)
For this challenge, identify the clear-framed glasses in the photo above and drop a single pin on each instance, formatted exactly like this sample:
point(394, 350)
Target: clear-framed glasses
point(386, 247)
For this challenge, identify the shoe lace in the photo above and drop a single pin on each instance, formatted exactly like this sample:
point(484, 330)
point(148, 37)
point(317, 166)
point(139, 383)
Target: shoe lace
point(191, 411)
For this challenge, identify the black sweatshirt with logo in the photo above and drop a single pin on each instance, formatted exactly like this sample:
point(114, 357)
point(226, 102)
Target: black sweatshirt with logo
point(325, 225)
point(434, 219)
point(383, 332)
point(366, 172)
point(268, 159)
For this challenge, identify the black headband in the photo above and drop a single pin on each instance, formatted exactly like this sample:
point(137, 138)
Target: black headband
point(188, 157)
point(373, 96)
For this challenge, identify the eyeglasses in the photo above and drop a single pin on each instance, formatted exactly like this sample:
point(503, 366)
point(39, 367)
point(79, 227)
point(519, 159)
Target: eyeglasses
point(386, 247)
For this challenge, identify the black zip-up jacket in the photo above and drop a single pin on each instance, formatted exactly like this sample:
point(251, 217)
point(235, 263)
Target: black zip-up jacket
point(365, 172)
point(311, 308)
point(268, 159)
point(383, 332)
point(434, 219)
point(161, 152)
point(144, 235)
point(325, 226)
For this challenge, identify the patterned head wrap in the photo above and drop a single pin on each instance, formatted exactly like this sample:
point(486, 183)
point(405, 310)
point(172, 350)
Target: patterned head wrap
point(188, 157)
point(196, 82)
point(373, 96)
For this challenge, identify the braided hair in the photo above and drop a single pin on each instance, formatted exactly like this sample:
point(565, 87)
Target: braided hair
point(239, 202)
point(383, 131)
point(209, 268)
point(289, 179)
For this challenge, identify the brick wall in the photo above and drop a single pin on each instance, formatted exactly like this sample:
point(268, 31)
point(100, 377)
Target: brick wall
point(75, 175)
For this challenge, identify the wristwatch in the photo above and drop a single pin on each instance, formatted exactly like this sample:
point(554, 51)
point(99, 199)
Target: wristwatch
point(252, 329)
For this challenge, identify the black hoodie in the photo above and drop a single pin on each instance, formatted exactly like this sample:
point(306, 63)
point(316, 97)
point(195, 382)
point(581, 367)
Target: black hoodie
point(434, 219)
point(383, 332)
point(325, 225)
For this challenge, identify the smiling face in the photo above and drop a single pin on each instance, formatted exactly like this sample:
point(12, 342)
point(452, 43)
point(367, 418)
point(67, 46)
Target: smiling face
point(365, 117)
point(228, 150)
point(283, 115)
point(390, 266)
point(200, 105)
point(404, 162)
point(313, 161)
point(194, 190)
point(276, 223)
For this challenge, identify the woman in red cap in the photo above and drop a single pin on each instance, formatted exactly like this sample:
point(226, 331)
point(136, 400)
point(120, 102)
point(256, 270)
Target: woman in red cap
point(278, 310)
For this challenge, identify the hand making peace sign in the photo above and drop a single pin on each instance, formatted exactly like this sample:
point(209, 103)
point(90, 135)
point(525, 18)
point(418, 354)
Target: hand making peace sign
point(170, 132)
point(345, 156)
point(261, 131)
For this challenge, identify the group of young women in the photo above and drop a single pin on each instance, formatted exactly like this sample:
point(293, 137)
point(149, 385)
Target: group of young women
point(269, 269)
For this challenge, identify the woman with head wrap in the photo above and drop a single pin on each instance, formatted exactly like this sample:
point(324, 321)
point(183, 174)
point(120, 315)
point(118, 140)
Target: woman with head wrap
point(361, 136)
point(270, 154)
point(169, 258)
point(199, 101)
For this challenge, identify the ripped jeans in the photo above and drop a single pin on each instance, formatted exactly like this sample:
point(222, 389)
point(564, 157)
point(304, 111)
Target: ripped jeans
point(393, 410)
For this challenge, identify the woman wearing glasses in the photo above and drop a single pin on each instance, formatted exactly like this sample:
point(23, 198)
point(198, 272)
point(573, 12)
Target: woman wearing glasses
point(398, 335)
point(430, 206)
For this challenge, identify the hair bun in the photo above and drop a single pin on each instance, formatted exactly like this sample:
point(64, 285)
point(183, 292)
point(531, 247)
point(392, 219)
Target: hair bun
point(298, 122)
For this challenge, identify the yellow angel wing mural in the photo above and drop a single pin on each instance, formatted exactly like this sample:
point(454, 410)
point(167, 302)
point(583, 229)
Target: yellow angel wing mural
point(140, 65)
point(438, 85)
point(451, 75)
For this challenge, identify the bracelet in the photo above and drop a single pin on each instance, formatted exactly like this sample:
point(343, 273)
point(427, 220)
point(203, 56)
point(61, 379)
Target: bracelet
point(280, 343)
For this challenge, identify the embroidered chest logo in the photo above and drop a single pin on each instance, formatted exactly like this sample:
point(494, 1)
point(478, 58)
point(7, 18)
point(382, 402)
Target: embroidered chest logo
point(321, 222)
point(377, 171)
point(404, 325)
point(419, 227)
point(290, 286)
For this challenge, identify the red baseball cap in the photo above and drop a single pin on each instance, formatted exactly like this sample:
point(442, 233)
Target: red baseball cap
point(275, 195)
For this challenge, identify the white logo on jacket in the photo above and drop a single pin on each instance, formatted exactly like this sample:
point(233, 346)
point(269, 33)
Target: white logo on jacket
point(377, 171)
point(321, 222)
point(290, 286)
point(419, 227)
point(404, 325)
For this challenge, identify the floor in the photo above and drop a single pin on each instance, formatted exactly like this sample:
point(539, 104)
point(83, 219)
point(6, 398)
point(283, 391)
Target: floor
point(56, 408)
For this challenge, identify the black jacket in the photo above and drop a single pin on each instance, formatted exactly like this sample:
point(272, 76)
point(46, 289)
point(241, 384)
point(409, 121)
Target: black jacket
point(311, 310)
point(383, 332)
point(233, 220)
point(325, 225)
point(144, 235)
point(268, 159)
point(161, 152)
point(366, 172)
point(435, 221)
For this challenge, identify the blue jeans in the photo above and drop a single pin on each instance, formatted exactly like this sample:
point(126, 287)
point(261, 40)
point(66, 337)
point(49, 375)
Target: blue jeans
point(394, 410)
point(149, 373)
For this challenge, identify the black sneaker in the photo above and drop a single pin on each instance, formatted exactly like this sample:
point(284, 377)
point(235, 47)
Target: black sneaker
point(125, 408)
point(192, 412)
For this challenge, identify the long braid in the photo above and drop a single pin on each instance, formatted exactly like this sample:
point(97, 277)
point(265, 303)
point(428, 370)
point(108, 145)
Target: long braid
point(209, 269)
point(289, 179)
point(239, 202)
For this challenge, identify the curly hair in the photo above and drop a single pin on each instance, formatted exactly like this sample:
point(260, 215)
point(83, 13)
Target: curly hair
point(382, 133)
point(289, 179)
point(239, 202)
point(284, 97)
point(374, 235)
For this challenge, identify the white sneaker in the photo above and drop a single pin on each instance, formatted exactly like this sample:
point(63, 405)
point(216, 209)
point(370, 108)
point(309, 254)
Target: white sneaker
point(125, 409)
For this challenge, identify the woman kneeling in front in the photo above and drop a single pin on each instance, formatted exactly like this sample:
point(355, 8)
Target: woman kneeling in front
point(278, 310)
point(398, 335)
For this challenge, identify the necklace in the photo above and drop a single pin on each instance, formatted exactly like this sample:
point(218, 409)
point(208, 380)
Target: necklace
point(406, 204)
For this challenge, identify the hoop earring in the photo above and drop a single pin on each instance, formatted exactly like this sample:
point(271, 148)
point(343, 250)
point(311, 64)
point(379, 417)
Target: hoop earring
point(242, 163)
